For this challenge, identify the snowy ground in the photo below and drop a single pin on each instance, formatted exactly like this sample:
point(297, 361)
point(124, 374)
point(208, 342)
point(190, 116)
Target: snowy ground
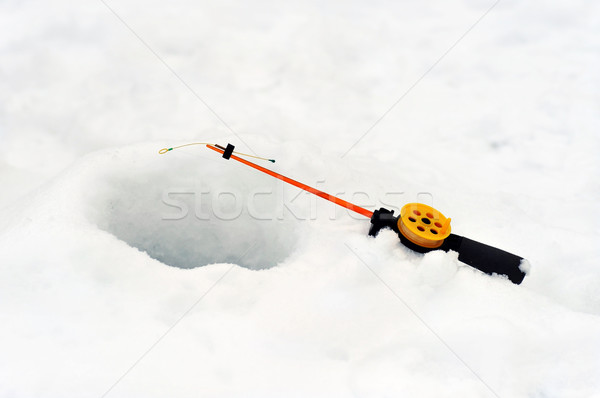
point(106, 290)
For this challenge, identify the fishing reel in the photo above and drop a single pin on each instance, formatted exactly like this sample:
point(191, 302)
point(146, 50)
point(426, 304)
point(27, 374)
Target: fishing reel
point(422, 228)
point(419, 227)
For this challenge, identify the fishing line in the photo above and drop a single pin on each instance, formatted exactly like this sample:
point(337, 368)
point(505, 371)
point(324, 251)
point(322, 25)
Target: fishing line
point(165, 150)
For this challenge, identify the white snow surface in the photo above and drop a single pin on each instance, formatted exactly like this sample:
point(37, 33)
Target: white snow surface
point(264, 292)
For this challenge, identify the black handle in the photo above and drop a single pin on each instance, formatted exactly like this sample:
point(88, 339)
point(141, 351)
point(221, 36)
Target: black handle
point(486, 258)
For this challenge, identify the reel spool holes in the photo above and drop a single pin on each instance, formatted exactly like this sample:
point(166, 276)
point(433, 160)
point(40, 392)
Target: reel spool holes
point(423, 225)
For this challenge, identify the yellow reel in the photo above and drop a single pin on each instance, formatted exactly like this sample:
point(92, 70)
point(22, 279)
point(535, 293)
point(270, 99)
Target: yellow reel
point(423, 225)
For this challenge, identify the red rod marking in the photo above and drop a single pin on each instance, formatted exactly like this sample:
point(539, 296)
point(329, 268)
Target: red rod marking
point(300, 185)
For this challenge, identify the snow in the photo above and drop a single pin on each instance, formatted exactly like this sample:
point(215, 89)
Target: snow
point(128, 273)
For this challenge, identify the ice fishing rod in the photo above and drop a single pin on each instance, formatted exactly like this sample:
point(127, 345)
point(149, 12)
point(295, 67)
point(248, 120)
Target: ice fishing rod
point(419, 227)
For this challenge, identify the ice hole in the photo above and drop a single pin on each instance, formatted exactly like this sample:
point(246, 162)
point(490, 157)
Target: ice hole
point(188, 221)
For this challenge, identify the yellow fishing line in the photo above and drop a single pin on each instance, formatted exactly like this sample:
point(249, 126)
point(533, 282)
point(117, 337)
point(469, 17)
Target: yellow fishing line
point(165, 150)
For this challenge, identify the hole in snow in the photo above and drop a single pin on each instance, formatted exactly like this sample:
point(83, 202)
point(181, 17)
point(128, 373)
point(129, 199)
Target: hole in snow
point(187, 218)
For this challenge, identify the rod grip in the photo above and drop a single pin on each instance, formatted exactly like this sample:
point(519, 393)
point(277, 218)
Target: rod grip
point(487, 258)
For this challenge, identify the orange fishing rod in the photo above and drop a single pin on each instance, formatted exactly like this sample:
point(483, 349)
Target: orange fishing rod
point(341, 202)
point(419, 227)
